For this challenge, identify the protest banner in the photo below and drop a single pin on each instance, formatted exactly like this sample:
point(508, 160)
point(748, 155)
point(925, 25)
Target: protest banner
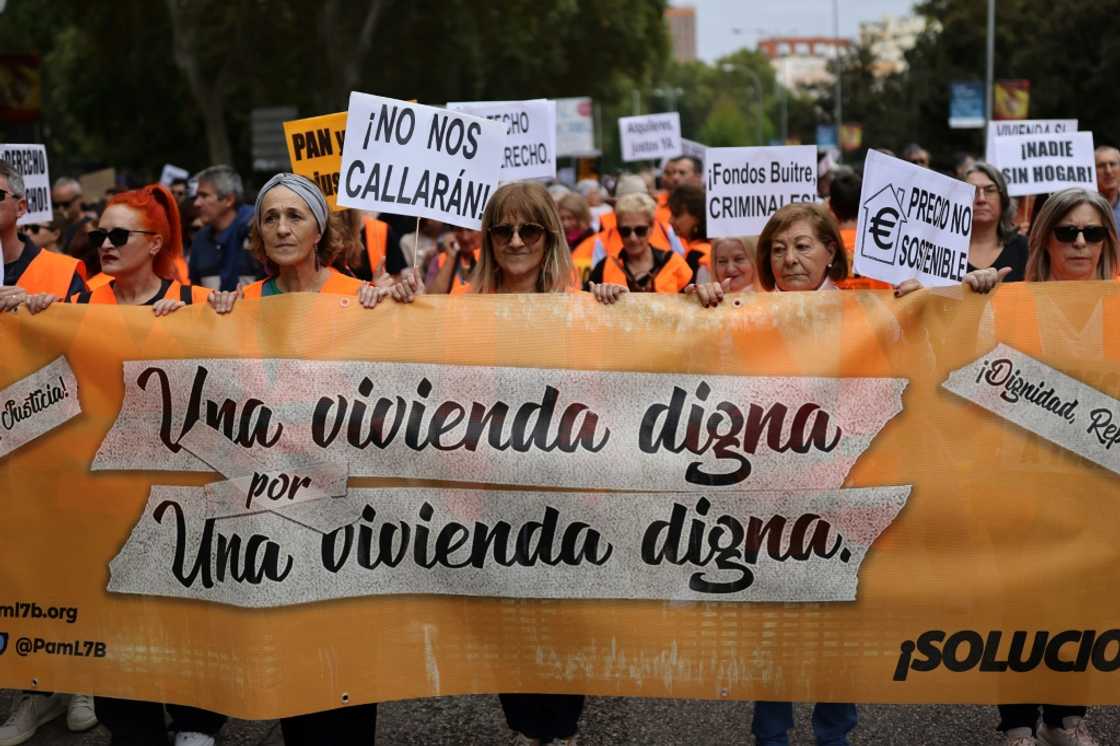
point(745, 186)
point(575, 128)
point(1011, 128)
point(1041, 164)
point(529, 149)
point(913, 223)
point(650, 137)
point(889, 443)
point(315, 149)
point(30, 162)
point(411, 159)
point(171, 172)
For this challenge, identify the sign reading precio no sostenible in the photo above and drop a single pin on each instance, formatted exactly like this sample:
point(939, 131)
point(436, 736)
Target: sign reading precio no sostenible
point(748, 185)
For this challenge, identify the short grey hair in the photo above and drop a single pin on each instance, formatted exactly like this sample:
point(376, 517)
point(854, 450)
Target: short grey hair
point(224, 179)
point(66, 181)
point(15, 180)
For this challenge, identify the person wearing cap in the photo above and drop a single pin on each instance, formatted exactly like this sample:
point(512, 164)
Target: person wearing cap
point(291, 237)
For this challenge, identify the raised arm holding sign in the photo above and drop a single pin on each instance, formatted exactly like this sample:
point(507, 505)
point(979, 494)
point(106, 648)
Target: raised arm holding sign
point(418, 160)
point(30, 162)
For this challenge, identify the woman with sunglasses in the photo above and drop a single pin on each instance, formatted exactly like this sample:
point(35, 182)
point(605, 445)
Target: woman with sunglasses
point(523, 251)
point(638, 268)
point(995, 240)
point(1073, 239)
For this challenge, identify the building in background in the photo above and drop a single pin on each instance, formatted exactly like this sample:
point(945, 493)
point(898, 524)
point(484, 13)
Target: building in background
point(889, 39)
point(801, 62)
point(682, 32)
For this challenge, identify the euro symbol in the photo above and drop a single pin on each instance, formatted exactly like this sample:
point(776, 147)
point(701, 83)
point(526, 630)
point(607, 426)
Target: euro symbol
point(882, 224)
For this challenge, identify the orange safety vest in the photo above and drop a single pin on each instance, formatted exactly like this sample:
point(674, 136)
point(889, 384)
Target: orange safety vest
point(582, 256)
point(336, 284)
point(852, 282)
point(98, 280)
point(458, 285)
point(377, 242)
point(703, 248)
point(182, 274)
point(50, 273)
point(673, 277)
point(104, 295)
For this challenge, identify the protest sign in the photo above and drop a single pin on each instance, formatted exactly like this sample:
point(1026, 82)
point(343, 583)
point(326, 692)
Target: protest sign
point(1011, 128)
point(536, 575)
point(96, 184)
point(529, 149)
point(575, 128)
point(1041, 164)
point(170, 173)
point(693, 148)
point(30, 162)
point(315, 149)
point(650, 137)
point(913, 223)
point(411, 159)
point(745, 186)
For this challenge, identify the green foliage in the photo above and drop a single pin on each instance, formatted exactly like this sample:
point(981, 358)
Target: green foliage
point(726, 126)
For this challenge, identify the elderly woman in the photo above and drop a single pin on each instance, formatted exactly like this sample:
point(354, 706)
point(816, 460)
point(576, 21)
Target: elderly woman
point(575, 217)
point(995, 241)
point(639, 267)
point(733, 263)
point(1073, 239)
point(523, 251)
point(291, 236)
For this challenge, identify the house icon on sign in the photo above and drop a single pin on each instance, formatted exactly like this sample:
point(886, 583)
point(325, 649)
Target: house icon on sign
point(883, 218)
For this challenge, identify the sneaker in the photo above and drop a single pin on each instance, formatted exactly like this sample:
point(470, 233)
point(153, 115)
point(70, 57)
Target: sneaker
point(190, 738)
point(79, 713)
point(1078, 735)
point(31, 711)
point(1020, 741)
point(520, 739)
point(571, 741)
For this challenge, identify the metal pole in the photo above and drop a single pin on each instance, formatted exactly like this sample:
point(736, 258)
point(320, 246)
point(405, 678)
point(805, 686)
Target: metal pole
point(990, 76)
point(839, 87)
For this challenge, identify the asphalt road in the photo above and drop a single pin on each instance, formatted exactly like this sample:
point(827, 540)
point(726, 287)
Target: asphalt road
point(611, 720)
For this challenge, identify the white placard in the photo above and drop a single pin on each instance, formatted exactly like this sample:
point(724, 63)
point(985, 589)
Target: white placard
point(1016, 127)
point(745, 186)
point(575, 127)
point(170, 173)
point(913, 223)
point(529, 151)
point(1040, 164)
point(650, 137)
point(694, 149)
point(30, 162)
point(411, 159)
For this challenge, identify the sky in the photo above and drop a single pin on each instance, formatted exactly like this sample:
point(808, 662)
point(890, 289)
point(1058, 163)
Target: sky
point(723, 26)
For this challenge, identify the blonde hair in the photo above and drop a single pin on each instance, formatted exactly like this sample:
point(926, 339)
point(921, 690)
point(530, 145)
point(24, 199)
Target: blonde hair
point(1053, 210)
point(532, 203)
point(574, 203)
point(636, 202)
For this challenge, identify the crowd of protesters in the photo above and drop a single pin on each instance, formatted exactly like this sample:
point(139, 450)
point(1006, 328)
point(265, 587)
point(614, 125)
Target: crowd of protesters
point(204, 241)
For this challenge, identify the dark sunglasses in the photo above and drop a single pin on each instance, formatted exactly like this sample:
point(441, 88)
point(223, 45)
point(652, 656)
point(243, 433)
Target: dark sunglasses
point(117, 236)
point(639, 230)
point(1092, 233)
point(34, 229)
point(3, 193)
point(65, 204)
point(529, 232)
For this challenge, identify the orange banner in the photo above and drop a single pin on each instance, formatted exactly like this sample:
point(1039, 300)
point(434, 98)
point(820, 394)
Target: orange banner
point(809, 496)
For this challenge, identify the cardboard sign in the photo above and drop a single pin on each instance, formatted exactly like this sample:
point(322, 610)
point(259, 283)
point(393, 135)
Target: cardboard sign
point(411, 159)
point(1015, 127)
point(529, 151)
point(1040, 164)
point(315, 149)
point(650, 137)
point(745, 186)
point(97, 183)
point(913, 223)
point(170, 173)
point(30, 162)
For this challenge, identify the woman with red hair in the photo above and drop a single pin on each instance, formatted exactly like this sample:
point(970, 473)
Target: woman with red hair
point(139, 240)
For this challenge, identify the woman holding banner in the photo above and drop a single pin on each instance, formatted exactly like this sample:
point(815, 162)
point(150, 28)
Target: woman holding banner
point(523, 251)
point(733, 263)
point(995, 240)
point(291, 236)
point(638, 268)
point(1073, 239)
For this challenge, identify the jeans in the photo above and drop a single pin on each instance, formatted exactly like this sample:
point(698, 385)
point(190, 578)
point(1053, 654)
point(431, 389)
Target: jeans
point(141, 723)
point(543, 717)
point(1026, 716)
point(344, 726)
point(832, 721)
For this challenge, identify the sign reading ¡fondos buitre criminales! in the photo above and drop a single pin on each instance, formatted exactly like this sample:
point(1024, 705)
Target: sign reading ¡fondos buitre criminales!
point(913, 223)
